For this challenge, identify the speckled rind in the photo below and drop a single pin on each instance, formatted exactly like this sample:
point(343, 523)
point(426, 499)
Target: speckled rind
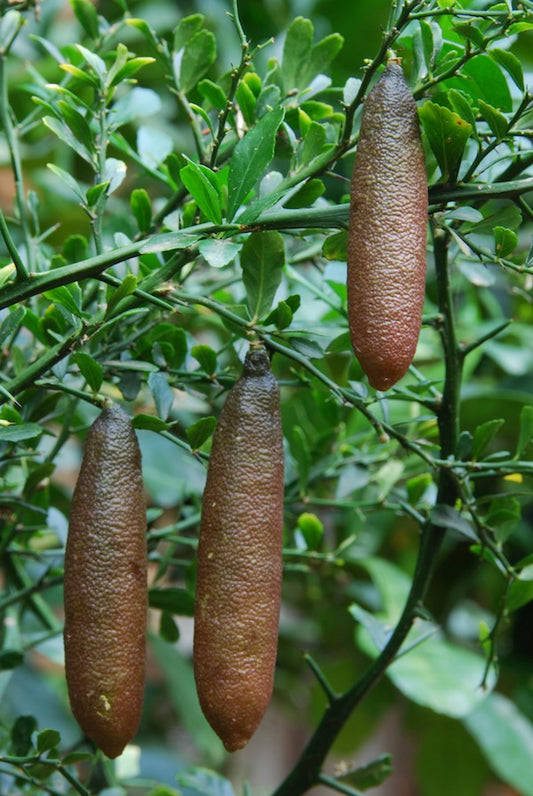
point(239, 558)
point(105, 588)
point(387, 234)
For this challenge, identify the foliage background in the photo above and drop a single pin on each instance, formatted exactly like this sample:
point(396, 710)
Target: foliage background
point(356, 497)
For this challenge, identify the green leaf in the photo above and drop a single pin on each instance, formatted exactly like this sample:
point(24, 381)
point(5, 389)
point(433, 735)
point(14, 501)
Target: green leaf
point(483, 436)
point(302, 61)
point(525, 435)
point(470, 32)
point(247, 102)
point(200, 431)
point(207, 358)
point(486, 81)
point(218, 253)
point(163, 395)
point(308, 193)
point(281, 316)
point(77, 124)
point(90, 369)
point(199, 53)
point(126, 288)
point(129, 69)
point(371, 775)
point(503, 516)
point(496, 120)
point(20, 432)
point(149, 423)
point(68, 296)
point(187, 27)
point(201, 184)
point(64, 133)
point(505, 737)
point(299, 448)
point(149, 34)
point(461, 104)
point(11, 322)
point(87, 16)
point(213, 94)
point(335, 246)
point(205, 783)
point(447, 135)
point(177, 601)
point(505, 241)
point(511, 64)
point(94, 193)
point(10, 23)
point(313, 143)
point(141, 208)
point(47, 739)
point(250, 158)
point(68, 180)
point(262, 260)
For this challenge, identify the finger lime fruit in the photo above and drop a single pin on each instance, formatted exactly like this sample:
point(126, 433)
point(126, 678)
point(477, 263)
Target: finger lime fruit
point(105, 585)
point(239, 558)
point(387, 232)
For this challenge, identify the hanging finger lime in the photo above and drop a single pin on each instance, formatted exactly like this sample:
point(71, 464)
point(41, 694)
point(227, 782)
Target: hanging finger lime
point(105, 585)
point(239, 558)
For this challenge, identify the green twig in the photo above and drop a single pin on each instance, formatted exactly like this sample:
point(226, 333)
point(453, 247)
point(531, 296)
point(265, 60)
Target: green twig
point(20, 268)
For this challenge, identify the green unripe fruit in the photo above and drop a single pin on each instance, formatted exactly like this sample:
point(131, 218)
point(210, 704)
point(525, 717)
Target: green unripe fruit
point(387, 232)
point(105, 586)
point(239, 558)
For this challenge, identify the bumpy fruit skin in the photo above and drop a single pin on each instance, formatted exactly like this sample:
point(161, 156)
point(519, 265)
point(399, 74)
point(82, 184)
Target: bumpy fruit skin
point(105, 586)
point(239, 558)
point(387, 232)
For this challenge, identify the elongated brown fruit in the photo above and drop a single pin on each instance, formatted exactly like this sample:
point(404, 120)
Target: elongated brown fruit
point(105, 586)
point(239, 558)
point(387, 234)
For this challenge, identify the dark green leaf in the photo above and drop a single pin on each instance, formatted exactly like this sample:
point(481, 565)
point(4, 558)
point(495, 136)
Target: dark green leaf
point(262, 260)
point(247, 102)
point(505, 241)
point(149, 423)
point(496, 120)
point(281, 316)
point(10, 659)
point(177, 601)
point(296, 53)
point(308, 193)
point(447, 134)
point(20, 432)
point(250, 158)
point(470, 32)
point(72, 758)
point(449, 518)
point(199, 53)
point(503, 516)
point(87, 16)
point(141, 208)
point(94, 193)
point(483, 436)
point(77, 124)
point(511, 64)
point(126, 288)
point(11, 322)
point(47, 739)
point(526, 430)
point(168, 629)
point(201, 184)
point(207, 358)
point(417, 487)
point(21, 733)
point(90, 369)
point(200, 431)
point(487, 82)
